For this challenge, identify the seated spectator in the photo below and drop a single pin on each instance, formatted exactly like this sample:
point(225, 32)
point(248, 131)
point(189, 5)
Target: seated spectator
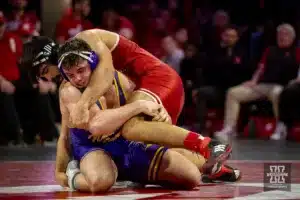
point(72, 24)
point(278, 66)
point(228, 66)
point(20, 15)
point(173, 54)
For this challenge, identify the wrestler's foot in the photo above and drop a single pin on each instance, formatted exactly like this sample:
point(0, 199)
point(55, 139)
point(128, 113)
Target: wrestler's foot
point(223, 173)
point(215, 152)
point(71, 172)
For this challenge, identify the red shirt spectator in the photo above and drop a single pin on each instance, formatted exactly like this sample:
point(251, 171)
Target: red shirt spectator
point(27, 31)
point(20, 15)
point(126, 28)
point(16, 19)
point(69, 26)
point(11, 51)
point(112, 21)
point(72, 23)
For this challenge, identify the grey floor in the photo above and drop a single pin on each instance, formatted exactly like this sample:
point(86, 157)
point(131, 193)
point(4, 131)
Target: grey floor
point(242, 150)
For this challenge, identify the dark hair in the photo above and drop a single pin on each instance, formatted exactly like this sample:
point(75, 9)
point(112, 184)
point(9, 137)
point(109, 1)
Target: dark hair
point(32, 49)
point(72, 45)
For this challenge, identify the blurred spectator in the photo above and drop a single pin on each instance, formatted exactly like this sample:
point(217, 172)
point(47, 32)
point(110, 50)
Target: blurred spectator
point(73, 23)
point(278, 66)
point(212, 34)
point(112, 21)
point(181, 36)
point(158, 27)
point(86, 8)
point(20, 15)
point(11, 50)
point(228, 66)
point(18, 94)
point(174, 54)
point(191, 71)
point(27, 31)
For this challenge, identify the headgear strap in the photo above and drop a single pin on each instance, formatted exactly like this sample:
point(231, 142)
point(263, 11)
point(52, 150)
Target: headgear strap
point(90, 56)
point(44, 55)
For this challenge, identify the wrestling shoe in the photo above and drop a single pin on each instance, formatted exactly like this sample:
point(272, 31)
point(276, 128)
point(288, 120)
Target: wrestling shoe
point(215, 152)
point(71, 172)
point(222, 173)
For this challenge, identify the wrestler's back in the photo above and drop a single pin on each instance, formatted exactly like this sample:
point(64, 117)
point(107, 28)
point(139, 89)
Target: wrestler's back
point(131, 59)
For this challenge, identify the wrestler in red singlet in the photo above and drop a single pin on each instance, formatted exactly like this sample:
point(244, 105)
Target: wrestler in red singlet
point(150, 75)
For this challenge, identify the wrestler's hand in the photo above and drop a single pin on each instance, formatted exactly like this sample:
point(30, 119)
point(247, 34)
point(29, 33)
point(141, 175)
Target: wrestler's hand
point(61, 178)
point(79, 116)
point(163, 116)
point(150, 108)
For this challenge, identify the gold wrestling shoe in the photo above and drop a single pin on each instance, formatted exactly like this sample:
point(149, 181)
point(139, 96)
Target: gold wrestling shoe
point(222, 173)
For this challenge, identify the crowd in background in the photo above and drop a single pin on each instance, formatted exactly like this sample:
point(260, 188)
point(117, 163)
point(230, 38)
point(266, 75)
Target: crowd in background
point(229, 55)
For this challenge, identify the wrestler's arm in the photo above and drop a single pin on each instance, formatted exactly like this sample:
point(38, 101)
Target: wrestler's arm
point(103, 75)
point(102, 121)
point(62, 150)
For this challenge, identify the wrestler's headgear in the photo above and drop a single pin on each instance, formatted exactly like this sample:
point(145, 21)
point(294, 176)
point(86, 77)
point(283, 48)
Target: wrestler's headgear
point(39, 51)
point(90, 56)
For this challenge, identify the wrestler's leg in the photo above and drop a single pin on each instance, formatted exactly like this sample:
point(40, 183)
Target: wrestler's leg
point(194, 157)
point(98, 172)
point(219, 172)
point(177, 170)
point(137, 129)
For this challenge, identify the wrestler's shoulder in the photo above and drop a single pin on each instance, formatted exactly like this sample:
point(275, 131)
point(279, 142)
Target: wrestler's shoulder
point(66, 90)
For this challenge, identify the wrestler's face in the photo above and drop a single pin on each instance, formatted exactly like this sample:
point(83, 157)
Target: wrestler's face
point(48, 72)
point(79, 75)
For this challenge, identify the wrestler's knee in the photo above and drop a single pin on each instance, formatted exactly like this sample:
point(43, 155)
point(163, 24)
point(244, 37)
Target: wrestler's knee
point(177, 169)
point(101, 183)
point(99, 170)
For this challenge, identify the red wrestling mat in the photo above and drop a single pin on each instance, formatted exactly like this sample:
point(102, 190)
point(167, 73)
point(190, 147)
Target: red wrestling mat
point(34, 181)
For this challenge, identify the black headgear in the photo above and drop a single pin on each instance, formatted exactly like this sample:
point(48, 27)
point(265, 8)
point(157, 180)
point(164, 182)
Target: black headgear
point(38, 51)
